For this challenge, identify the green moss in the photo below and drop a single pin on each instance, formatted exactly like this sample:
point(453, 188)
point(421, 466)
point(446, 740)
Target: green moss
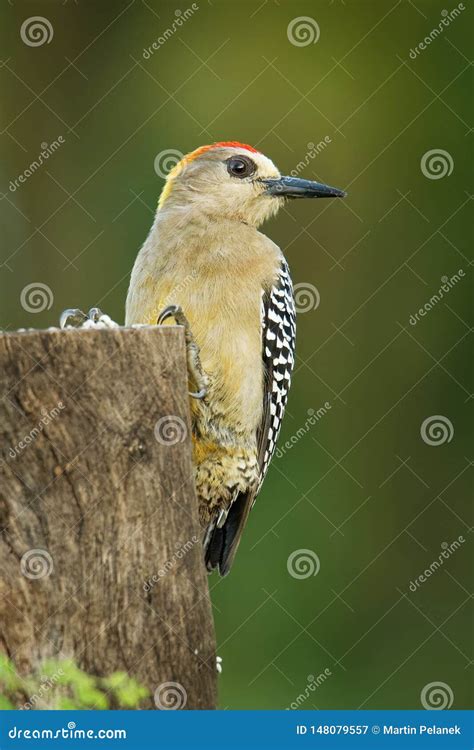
point(63, 685)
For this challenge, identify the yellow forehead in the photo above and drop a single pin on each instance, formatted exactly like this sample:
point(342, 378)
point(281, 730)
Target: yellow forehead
point(263, 162)
point(173, 173)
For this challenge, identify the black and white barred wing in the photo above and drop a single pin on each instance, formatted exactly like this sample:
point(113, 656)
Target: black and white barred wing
point(278, 352)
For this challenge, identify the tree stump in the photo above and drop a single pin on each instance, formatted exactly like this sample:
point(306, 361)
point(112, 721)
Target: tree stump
point(100, 544)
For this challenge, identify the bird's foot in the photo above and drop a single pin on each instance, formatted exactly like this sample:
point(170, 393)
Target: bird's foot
point(195, 370)
point(95, 318)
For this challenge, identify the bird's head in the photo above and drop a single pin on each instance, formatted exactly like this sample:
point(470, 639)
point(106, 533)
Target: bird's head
point(234, 181)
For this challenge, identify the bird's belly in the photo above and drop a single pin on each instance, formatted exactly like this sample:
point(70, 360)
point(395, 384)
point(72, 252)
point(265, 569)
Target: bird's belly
point(231, 357)
point(226, 423)
point(220, 473)
point(228, 333)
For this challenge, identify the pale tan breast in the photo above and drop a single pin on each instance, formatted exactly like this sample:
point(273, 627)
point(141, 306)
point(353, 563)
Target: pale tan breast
point(218, 282)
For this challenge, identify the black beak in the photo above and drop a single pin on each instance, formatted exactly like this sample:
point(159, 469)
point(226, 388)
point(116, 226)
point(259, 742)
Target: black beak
point(294, 187)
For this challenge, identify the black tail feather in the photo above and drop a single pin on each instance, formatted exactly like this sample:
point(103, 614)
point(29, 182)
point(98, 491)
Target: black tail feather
point(223, 542)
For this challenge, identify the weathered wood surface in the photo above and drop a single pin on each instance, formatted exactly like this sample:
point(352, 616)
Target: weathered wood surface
point(100, 546)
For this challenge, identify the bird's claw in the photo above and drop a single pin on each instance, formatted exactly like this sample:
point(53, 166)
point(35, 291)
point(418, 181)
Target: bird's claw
point(95, 314)
point(199, 394)
point(172, 311)
point(72, 318)
point(95, 318)
point(192, 349)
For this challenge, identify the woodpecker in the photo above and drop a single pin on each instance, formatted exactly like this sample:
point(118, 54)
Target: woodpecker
point(206, 266)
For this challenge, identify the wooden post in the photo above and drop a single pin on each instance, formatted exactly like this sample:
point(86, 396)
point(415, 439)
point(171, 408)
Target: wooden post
point(100, 544)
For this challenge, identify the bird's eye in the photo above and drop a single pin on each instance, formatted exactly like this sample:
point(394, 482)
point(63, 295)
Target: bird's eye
point(240, 166)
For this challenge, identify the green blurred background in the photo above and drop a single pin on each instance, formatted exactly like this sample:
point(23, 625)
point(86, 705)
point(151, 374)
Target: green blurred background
point(359, 489)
